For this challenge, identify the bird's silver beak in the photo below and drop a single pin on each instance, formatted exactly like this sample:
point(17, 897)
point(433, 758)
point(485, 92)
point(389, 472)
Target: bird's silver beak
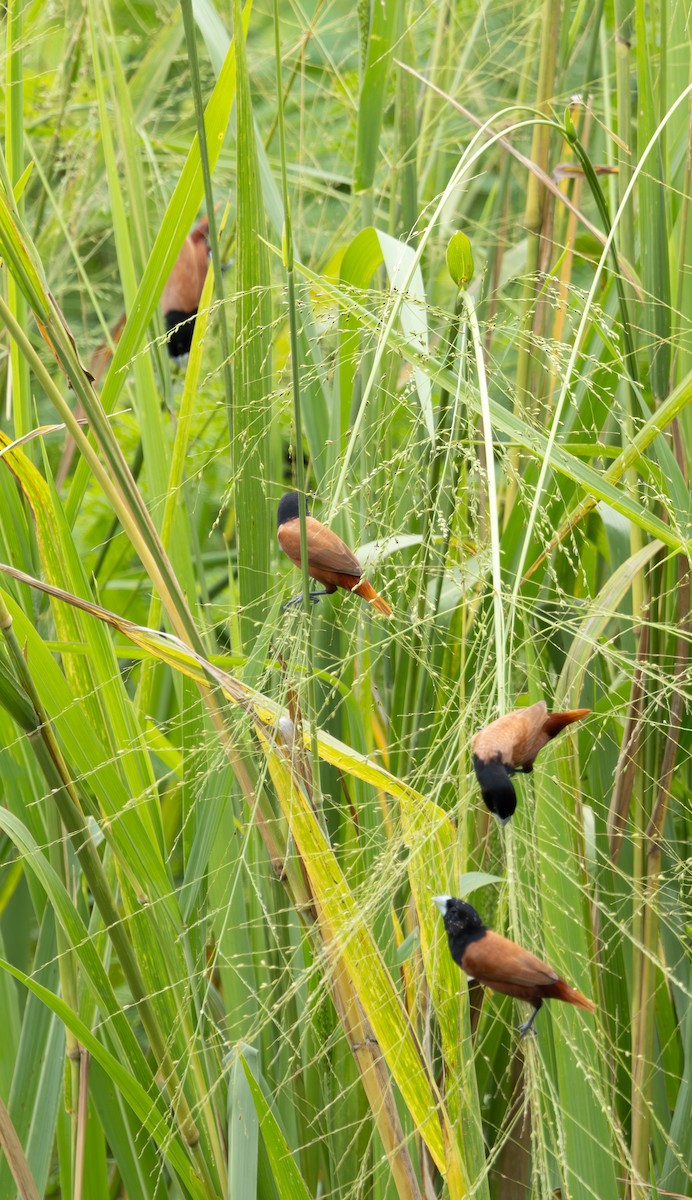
point(441, 902)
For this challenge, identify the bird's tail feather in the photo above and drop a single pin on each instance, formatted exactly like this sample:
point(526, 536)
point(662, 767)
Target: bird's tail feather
point(368, 593)
point(557, 721)
point(562, 991)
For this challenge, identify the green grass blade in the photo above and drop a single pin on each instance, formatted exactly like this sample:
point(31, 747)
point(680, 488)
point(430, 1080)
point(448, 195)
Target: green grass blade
point(244, 1116)
point(175, 226)
point(133, 1093)
point(378, 40)
point(41, 1050)
point(288, 1180)
point(250, 443)
point(653, 215)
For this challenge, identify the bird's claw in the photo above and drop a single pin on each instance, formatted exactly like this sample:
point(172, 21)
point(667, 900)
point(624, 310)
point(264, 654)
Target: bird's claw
point(528, 1027)
point(313, 596)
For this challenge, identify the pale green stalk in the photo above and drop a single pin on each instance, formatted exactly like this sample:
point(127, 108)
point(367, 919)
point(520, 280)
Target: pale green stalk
point(502, 661)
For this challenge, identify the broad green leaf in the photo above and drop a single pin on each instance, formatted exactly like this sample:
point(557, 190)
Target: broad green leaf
point(95, 676)
point(78, 938)
point(137, 1159)
point(472, 880)
point(37, 1076)
point(92, 760)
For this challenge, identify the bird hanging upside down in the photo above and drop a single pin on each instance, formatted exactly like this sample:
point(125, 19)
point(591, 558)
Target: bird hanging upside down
point(329, 559)
point(183, 290)
point(511, 744)
point(497, 963)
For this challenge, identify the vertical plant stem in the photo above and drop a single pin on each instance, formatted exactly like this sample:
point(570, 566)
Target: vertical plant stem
point(493, 519)
point(82, 1119)
point(14, 144)
point(681, 354)
point(190, 39)
point(644, 991)
point(534, 216)
point(436, 506)
point(297, 417)
point(431, 102)
point(407, 137)
point(623, 51)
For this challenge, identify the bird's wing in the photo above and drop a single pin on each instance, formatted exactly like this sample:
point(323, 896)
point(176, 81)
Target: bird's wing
point(494, 959)
point(514, 738)
point(326, 551)
point(530, 735)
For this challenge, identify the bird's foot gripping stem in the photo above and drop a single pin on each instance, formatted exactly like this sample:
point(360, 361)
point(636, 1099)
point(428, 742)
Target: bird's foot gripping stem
point(314, 596)
point(528, 1026)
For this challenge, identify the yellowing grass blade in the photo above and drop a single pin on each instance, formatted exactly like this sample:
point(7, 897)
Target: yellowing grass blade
point(343, 921)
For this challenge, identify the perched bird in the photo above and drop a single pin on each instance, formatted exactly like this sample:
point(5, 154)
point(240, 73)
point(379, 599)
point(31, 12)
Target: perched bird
point(500, 964)
point(180, 300)
point(329, 559)
point(511, 744)
point(183, 290)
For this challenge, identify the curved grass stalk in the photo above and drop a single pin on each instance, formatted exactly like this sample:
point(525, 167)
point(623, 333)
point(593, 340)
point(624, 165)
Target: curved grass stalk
point(467, 160)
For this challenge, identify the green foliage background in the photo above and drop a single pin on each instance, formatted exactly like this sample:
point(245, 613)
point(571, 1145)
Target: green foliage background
point(222, 823)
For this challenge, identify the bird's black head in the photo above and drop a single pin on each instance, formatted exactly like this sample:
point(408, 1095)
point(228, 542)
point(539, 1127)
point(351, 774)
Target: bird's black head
point(496, 787)
point(462, 924)
point(288, 508)
point(180, 326)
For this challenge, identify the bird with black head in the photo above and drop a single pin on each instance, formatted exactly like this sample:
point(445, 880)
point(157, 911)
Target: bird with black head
point(500, 964)
point(510, 744)
point(329, 559)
